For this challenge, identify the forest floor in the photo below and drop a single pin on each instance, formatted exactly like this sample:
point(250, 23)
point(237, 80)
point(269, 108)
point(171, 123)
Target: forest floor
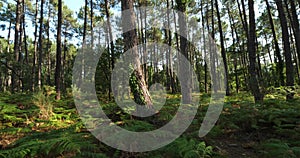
point(244, 129)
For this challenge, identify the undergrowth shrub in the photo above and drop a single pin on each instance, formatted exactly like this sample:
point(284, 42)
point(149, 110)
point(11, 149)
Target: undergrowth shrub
point(43, 101)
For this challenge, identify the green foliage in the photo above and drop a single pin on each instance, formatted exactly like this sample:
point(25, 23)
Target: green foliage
point(277, 148)
point(138, 126)
point(55, 143)
point(43, 100)
point(282, 90)
point(135, 89)
point(184, 148)
point(275, 118)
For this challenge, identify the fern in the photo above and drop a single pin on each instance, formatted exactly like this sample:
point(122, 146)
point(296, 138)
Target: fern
point(53, 144)
point(185, 148)
point(277, 148)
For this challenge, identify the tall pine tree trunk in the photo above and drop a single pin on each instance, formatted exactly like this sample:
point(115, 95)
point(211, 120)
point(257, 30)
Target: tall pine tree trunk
point(111, 40)
point(287, 48)
point(48, 46)
point(258, 96)
point(92, 23)
point(231, 21)
point(58, 52)
point(223, 51)
point(131, 41)
point(9, 31)
point(279, 65)
point(205, 52)
point(186, 85)
point(24, 30)
point(16, 44)
point(296, 27)
point(40, 46)
point(34, 60)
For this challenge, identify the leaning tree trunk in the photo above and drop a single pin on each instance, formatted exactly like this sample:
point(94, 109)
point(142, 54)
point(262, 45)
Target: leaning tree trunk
point(258, 96)
point(287, 49)
point(141, 95)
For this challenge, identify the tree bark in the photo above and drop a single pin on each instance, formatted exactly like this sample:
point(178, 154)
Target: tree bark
point(223, 51)
point(287, 49)
point(205, 52)
point(16, 42)
point(131, 41)
point(24, 30)
point(231, 21)
point(111, 40)
point(258, 96)
point(279, 65)
point(85, 23)
point(91, 23)
point(48, 46)
point(186, 84)
point(58, 53)
point(296, 27)
point(40, 46)
point(170, 60)
point(34, 60)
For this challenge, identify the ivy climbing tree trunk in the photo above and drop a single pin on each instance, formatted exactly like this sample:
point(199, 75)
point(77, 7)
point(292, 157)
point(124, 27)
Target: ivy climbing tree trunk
point(141, 93)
